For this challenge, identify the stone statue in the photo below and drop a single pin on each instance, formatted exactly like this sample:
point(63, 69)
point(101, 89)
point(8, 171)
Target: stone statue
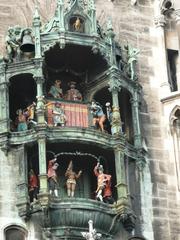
point(13, 43)
point(132, 58)
point(55, 90)
point(73, 94)
point(98, 115)
point(77, 25)
point(71, 179)
point(52, 177)
point(33, 186)
point(103, 191)
point(59, 117)
point(109, 111)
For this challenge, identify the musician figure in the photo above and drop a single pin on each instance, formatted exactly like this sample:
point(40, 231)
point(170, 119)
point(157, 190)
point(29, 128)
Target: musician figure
point(59, 117)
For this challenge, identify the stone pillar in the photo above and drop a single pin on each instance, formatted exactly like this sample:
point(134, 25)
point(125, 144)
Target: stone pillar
point(92, 13)
point(162, 56)
point(42, 163)
point(36, 26)
point(114, 83)
point(177, 14)
point(38, 76)
point(4, 100)
point(120, 175)
point(23, 202)
point(61, 15)
point(136, 121)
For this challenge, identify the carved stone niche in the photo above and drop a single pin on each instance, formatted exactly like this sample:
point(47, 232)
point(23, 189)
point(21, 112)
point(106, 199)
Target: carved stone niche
point(166, 7)
point(76, 24)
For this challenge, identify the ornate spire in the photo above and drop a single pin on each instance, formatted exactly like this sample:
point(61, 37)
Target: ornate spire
point(36, 15)
point(91, 5)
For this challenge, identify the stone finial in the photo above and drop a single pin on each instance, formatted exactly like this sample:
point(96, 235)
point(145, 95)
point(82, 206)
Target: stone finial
point(92, 234)
point(36, 15)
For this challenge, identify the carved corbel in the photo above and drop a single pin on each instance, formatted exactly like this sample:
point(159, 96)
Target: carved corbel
point(160, 21)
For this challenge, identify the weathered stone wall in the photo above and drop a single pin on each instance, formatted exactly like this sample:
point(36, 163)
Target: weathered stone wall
point(159, 196)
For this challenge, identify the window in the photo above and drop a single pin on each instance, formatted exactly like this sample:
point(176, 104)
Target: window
point(14, 232)
point(172, 56)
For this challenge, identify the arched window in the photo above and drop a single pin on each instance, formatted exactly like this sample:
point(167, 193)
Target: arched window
point(175, 133)
point(15, 232)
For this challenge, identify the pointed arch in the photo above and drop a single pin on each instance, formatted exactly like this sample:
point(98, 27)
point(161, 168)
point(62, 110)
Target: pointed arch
point(174, 121)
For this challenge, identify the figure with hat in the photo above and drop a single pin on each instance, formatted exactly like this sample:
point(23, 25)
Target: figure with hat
point(71, 179)
point(98, 115)
point(21, 120)
point(56, 90)
point(103, 183)
point(52, 177)
point(73, 94)
point(33, 186)
point(59, 117)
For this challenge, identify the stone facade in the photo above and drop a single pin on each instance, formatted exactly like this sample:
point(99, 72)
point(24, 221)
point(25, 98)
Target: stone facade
point(156, 200)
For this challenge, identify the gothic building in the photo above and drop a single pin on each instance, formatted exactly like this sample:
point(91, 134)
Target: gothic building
point(89, 120)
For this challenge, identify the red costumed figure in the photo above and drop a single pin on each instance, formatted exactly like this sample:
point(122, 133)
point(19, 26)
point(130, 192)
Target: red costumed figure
point(103, 191)
point(33, 186)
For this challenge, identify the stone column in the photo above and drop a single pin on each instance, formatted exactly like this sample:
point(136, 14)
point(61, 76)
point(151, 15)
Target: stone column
point(23, 197)
point(136, 121)
point(61, 15)
point(4, 101)
point(36, 26)
point(114, 83)
point(120, 175)
point(177, 14)
point(38, 76)
point(162, 56)
point(42, 163)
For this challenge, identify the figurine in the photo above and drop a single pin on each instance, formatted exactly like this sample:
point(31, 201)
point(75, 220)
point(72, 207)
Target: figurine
point(73, 94)
point(21, 120)
point(77, 24)
point(56, 90)
point(103, 190)
point(52, 177)
point(13, 42)
point(71, 179)
point(58, 115)
point(132, 58)
point(107, 192)
point(98, 115)
point(33, 186)
point(109, 111)
point(31, 112)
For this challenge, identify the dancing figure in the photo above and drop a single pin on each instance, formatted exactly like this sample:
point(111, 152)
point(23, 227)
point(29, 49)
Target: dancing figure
point(98, 115)
point(71, 179)
point(103, 191)
point(52, 177)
